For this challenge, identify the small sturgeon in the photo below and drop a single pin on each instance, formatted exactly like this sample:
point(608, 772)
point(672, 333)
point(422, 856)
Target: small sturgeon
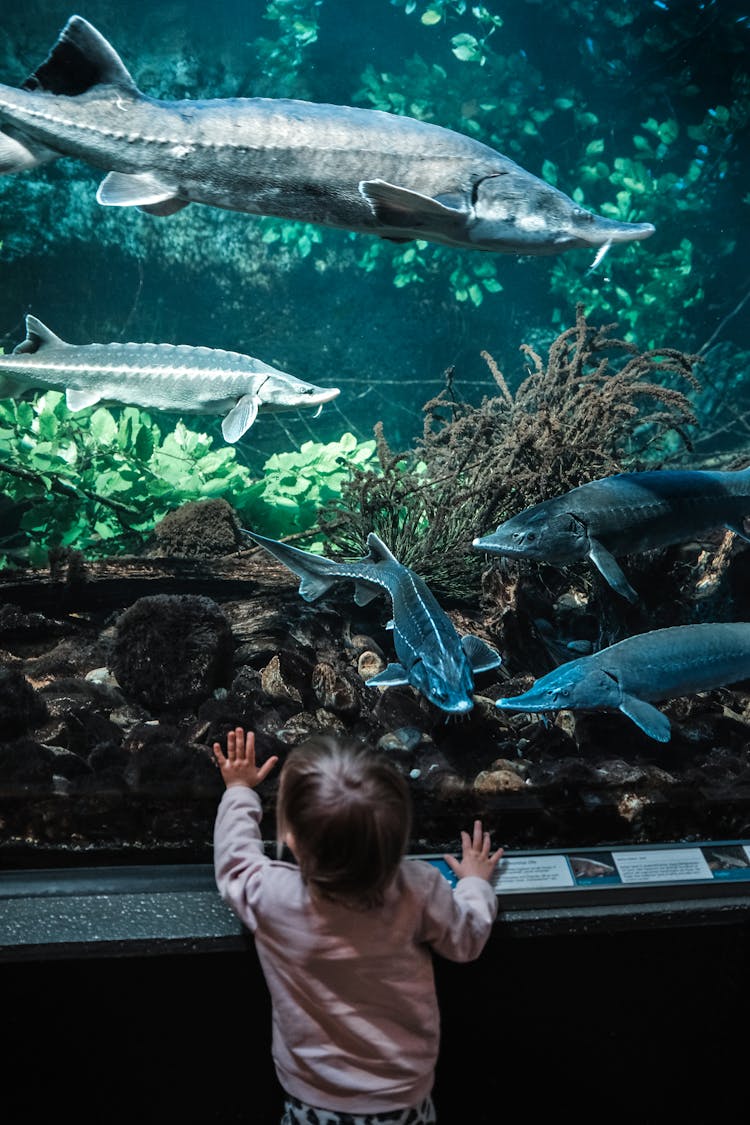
point(662, 664)
point(173, 377)
point(624, 514)
point(357, 169)
point(432, 656)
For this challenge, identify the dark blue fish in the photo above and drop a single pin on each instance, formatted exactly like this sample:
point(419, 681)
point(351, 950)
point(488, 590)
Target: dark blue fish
point(662, 664)
point(432, 657)
point(624, 514)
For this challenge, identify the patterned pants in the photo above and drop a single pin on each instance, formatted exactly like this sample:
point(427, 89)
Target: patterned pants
point(297, 1113)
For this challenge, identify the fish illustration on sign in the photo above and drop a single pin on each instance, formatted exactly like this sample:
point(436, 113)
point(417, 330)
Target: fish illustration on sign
point(661, 664)
point(624, 514)
point(174, 377)
point(432, 657)
point(357, 169)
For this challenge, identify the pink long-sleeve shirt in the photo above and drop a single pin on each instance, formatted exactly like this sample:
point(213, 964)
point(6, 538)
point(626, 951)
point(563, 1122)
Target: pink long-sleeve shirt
point(355, 1016)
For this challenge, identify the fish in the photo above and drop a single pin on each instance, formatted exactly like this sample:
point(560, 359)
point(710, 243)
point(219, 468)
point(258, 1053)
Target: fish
point(624, 514)
point(628, 676)
point(356, 169)
point(432, 657)
point(584, 867)
point(173, 377)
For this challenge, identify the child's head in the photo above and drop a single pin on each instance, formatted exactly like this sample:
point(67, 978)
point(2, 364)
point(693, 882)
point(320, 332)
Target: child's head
point(348, 813)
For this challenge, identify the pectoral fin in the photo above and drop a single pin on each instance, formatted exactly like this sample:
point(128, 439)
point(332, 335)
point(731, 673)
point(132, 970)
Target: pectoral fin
point(481, 656)
point(168, 207)
point(138, 189)
point(651, 721)
point(400, 207)
point(610, 570)
point(364, 592)
point(394, 675)
point(240, 418)
point(79, 400)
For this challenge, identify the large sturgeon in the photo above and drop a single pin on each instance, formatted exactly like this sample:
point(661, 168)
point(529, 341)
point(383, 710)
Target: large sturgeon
point(624, 514)
point(432, 657)
point(359, 169)
point(174, 377)
point(662, 664)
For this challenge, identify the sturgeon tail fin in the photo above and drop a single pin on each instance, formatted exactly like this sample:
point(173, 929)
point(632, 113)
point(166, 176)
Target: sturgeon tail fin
point(80, 59)
point(316, 573)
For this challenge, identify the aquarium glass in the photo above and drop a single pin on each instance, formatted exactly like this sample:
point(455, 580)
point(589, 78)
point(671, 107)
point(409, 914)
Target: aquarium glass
point(138, 621)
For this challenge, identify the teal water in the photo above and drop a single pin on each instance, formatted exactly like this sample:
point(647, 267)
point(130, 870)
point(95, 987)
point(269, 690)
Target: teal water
point(640, 108)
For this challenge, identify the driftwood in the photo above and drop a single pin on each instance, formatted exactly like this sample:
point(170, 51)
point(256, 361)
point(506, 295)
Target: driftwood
point(108, 584)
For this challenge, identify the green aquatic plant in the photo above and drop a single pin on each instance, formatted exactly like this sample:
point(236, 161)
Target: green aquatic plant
point(597, 405)
point(281, 58)
point(99, 480)
point(655, 294)
point(297, 238)
point(297, 484)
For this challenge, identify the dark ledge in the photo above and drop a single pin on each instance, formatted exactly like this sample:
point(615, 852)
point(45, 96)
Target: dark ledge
point(170, 908)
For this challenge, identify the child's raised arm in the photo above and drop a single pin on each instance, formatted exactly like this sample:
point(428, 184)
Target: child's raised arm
point(476, 858)
point(238, 765)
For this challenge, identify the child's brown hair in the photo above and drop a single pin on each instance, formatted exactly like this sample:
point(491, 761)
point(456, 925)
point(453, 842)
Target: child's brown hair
point(349, 812)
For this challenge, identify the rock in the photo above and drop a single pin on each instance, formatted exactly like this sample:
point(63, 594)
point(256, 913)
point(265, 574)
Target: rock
point(161, 761)
point(21, 707)
point(400, 707)
point(369, 663)
point(404, 740)
point(26, 763)
point(172, 650)
point(276, 685)
point(498, 781)
point(102, 676)
point(334, 692)
point(361, 642)
point(298, 728)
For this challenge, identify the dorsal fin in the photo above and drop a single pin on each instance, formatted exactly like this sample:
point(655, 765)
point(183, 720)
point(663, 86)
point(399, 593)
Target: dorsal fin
point(37, 335)
point(378, 550)
point(81, 58)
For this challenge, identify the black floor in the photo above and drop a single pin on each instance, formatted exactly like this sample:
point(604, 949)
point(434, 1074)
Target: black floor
point(639, 1027)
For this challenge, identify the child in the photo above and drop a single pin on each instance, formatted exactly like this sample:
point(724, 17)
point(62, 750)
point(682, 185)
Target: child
point(344, 936)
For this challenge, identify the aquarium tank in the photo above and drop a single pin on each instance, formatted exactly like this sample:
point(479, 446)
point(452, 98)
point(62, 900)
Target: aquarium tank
point(250, 336)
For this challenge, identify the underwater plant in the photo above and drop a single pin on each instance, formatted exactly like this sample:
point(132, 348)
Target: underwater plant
point(296, 484)
point(99, 480)
point(597, 405)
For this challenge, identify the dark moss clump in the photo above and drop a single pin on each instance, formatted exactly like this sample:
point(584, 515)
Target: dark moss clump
point(200, 528)
point(597, 406)
point(172, 651)
point(21, 707)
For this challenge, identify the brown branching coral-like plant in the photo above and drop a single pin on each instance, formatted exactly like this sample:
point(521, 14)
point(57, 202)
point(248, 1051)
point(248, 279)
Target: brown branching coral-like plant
point(597, 406)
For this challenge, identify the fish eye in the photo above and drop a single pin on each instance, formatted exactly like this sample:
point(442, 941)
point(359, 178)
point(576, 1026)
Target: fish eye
point(581, 213)
point(530, 536)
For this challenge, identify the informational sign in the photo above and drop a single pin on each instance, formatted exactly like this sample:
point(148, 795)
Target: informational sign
point(721, 861)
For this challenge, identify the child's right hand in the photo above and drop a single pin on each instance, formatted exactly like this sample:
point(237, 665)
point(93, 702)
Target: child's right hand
point(476, 857)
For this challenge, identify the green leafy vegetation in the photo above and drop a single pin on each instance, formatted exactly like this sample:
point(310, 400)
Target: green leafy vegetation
point(100, 480)
point(297, 484)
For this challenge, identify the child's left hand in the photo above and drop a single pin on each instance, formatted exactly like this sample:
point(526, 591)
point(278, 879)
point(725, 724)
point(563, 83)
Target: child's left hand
point(238, 765)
